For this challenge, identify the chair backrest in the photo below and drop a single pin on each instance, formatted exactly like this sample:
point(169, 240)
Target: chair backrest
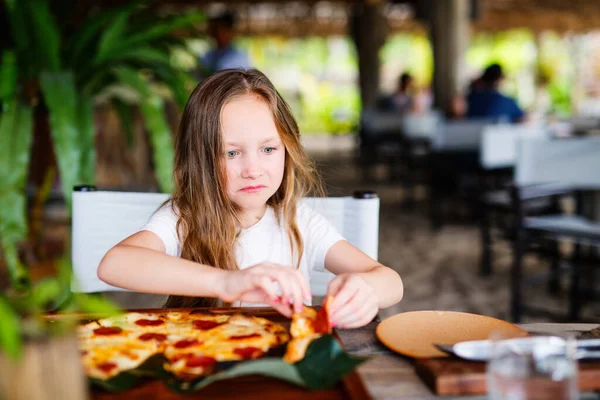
point(459, 135)
point(102, 219)
point(499, 143)
point(420, 126)
point(574, 162)
point(377, 122)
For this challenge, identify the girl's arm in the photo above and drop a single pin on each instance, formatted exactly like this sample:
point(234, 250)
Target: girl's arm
point(139, 263)
point(362, 285)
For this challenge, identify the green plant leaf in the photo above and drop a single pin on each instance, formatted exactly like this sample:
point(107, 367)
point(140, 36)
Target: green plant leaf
point(21, 147)
point(10, 330)
point(93, 304)
point(19, 276)
point(161, 141)
point(60, 96)
point(141, 54)
point(87, 139)
point(16, 133)
point(133, 79)
point(163, 28)
point(8, 76)
point(160, 134)
point(177, 82)
point(325, 363)
point(44, 294)
point(18, 21)
point(46, 33)
point(125, 113)
point(113, 33)
point(82, 46)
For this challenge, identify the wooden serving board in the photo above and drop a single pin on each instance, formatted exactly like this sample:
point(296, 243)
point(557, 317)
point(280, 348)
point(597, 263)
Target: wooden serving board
point(247, 387)
point(453, 376)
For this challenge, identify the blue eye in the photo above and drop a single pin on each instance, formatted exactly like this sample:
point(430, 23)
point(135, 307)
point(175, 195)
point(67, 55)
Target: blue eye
point(232, 153)
point(269, 150)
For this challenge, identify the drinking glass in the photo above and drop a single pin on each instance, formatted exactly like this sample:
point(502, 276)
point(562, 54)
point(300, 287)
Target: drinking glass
point(542, 370)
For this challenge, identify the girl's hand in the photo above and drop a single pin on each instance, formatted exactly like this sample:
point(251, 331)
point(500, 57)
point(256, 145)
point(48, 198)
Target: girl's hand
point(354, 304)
point(256, 285)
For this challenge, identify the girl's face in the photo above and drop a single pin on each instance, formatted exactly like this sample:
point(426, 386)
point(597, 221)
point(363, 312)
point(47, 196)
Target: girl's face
point(254, 154)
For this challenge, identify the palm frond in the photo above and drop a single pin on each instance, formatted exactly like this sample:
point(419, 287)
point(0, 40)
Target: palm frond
point(45, 34)
point(58, 89)
point(154, 118)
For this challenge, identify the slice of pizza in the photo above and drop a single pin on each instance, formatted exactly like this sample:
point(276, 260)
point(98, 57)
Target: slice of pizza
point(307, 326)
point(108, 350)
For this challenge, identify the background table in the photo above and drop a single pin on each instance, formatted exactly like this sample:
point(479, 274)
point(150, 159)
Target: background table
point(391, 376)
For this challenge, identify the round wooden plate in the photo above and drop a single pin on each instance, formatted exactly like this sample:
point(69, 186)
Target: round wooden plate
point(413, 333)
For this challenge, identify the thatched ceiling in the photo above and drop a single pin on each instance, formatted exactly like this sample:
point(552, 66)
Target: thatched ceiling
point(316, 17)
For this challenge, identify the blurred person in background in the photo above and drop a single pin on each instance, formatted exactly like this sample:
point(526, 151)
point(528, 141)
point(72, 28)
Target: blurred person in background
point(224, 54)
point(402, 100)
point(485, 101)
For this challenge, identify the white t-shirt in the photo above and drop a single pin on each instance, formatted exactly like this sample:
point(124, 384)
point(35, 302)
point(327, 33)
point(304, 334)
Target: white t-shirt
point(265, 241)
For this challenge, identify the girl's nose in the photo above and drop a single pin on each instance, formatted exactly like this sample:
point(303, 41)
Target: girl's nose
point(252, 168)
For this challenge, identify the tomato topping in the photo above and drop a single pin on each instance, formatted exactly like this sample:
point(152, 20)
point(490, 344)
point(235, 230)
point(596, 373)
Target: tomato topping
point(200, 361)
point(249, 352)
point(321, 323)
point(182, 344)
point(205, 325)
point(107, 367)
point(159, 337)
point(108, 330)
point(253, 335)
point(149, 322)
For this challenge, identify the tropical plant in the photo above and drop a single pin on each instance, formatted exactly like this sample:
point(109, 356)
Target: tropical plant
point(64, 69)
point(22, 312)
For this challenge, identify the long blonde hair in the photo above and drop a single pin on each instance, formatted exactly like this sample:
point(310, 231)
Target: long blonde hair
point(207, 218)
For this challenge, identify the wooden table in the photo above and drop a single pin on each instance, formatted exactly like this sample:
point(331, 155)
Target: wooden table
point(391, 376)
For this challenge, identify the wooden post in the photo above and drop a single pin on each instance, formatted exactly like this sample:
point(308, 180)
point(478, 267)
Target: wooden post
point(368, 28)
point(449, 29)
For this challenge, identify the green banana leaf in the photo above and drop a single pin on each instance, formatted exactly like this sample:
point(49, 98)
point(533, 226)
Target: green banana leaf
point(160, 134)
point(324, 364)
point(10, 333)
point(60, 96)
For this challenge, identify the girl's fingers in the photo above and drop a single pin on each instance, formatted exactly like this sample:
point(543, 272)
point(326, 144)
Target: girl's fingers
point(341, 298)
point(266, 284)
point(334, 287)
point(363, 320)
point(357, 313)
point(282, 309)
point(297, 294)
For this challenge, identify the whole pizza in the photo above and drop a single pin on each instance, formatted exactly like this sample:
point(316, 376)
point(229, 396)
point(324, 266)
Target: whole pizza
point(192, 341)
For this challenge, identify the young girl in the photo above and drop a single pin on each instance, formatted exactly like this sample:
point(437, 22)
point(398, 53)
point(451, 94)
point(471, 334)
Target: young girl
point(233, 229)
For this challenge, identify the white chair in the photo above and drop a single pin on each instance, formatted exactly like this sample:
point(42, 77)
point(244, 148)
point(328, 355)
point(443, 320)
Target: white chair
point(416, 127)
point(101, 219)
point(571, 162)
point(498, 147)
point(459, 135)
